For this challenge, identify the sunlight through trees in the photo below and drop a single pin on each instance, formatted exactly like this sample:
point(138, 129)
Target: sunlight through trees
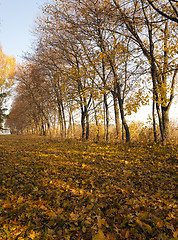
point(98, 61)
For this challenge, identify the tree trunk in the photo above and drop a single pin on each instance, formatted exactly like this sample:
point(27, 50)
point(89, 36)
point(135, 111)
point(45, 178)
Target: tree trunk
point(70, 123)
point(154, 122)
point(96, 121)
point(106, 117)
point(159, 120)
point(127, 132)
point(60, 121)
point(87, 123)
point(124, 123)
point(116, 112)
point(43, 132)
point(165, 123)
point(73, 124)
point(122, 132)
point(63, 119)
point(83, 122)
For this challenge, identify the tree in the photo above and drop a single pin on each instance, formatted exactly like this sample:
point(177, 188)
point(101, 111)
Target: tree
point(32, 85)
point(90, 28)
point(7, 73)
point(90, 53)
point(84, 62)
point(2, 110)
point(157, 40)
point(111, 56)
point(65, 58)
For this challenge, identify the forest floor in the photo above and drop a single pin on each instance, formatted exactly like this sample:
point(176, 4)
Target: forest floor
point(51, 189)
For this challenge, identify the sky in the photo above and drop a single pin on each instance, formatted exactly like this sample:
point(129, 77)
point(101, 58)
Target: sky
point(16, 23)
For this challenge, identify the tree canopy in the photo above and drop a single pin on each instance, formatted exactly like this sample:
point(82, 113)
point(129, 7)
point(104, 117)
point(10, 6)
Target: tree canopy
point(97, 59)
point(7, 73)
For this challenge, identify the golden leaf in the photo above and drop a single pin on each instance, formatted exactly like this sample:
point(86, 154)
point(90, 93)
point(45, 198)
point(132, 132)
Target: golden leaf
point(99, 236)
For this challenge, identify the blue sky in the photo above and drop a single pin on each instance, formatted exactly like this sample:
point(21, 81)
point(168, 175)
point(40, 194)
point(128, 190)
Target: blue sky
point(16, 23)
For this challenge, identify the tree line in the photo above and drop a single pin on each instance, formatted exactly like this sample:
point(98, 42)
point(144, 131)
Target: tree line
point(95, 59)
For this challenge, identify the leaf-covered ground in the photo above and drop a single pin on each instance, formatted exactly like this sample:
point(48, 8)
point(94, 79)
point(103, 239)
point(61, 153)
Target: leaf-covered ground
point(83, 190)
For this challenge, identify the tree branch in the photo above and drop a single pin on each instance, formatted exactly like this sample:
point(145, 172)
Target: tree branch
point(162, 13)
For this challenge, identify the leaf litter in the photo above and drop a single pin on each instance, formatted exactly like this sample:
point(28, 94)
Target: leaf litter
point(54, 189)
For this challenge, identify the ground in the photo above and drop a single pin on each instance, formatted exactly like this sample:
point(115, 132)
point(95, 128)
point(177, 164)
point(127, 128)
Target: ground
point(52, 189)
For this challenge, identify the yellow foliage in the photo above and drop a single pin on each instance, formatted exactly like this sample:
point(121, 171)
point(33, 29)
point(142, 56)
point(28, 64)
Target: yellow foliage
point(32, 235)
point(7, 70)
